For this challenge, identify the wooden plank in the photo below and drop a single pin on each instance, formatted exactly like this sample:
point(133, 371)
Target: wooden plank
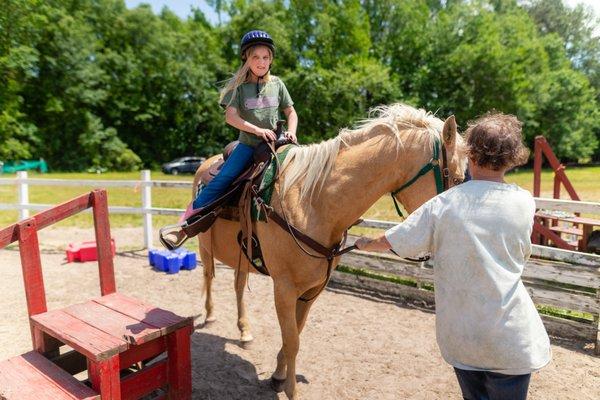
point(555, 326)
point(105, 377)
point(32, 376)
point(557, 297)
point(62, 211)
point(553, 271)
point(561, 272)
point(567, 229)
point(180, 364)
point(574, 206)
point(166, 321)
point(145, 381)
point(9, 234)
point(388, 264)
point(113, 323)
point(31, 266)
point(566, 328)
point(549, 235)
point(371, 223)
point(92, 342)
point(143, 352)
point(574, 257)
point(382, 287)
point(102, 230)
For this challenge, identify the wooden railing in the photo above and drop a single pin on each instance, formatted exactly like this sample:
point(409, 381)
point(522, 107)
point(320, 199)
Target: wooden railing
point(565, 285)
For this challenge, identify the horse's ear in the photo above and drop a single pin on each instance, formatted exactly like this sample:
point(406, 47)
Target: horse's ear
point(449, 131)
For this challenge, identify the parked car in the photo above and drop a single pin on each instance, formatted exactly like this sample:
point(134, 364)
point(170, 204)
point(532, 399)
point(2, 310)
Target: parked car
point(182, 165)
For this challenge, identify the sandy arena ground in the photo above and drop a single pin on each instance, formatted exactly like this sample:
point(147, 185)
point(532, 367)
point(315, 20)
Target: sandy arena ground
point(355, 346)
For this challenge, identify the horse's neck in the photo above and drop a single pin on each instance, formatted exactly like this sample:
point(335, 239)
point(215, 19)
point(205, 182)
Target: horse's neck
point(361, 175)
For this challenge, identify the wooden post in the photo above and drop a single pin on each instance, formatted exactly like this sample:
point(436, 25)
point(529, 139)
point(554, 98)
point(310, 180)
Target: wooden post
point(23, 194)
point(33, 280)
point(180, 364)
point(146, 206)
point(597, 324)
point(104, 377)
point(102, 228)
point(537, 166)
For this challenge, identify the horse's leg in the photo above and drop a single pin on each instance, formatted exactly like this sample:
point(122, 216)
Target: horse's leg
point(285, 304)
point(241, 278)
point(209, 271)
point(278, 378)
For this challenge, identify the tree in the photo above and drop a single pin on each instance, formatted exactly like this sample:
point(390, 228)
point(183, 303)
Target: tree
point(480, 59)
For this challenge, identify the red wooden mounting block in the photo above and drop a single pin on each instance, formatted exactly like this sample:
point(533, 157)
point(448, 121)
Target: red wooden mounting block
point(108, 334)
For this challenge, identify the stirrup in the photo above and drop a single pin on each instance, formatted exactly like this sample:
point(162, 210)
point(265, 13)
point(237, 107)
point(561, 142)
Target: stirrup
point(172, 236)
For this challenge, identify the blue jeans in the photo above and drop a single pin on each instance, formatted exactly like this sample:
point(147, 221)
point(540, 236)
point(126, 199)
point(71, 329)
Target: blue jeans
point(485, 385)
point(236, 163)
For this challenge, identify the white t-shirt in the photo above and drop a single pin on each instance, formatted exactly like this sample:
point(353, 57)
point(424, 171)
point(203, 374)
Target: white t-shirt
point(479, 236)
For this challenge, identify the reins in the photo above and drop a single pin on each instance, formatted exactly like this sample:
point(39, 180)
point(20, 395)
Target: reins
point(330, 253)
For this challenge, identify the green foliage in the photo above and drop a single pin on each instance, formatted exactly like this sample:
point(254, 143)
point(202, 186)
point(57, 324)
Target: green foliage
point(90, 83)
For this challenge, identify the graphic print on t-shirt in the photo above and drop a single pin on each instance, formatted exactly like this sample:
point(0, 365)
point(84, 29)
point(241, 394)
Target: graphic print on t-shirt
point(261, 102)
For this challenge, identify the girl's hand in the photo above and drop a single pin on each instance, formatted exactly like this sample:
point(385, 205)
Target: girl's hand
point(266, 134)
point(291, 136)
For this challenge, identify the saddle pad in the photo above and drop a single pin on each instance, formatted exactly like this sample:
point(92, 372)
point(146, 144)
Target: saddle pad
point(268, 182)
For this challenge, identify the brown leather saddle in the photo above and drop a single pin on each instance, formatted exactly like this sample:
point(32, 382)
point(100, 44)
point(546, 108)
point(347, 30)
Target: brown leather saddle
point(234, 204)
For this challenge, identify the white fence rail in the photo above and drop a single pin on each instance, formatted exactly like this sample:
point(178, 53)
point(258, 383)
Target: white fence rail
point(145, 184)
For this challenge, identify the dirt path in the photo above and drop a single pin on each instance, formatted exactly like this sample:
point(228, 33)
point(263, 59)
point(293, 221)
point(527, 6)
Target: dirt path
point(355, 346)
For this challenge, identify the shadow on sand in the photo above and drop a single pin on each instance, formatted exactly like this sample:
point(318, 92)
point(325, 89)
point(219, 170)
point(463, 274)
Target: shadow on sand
point(219, 374)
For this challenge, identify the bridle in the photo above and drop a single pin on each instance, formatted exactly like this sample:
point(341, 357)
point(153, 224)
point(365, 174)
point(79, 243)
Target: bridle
point(441, 174)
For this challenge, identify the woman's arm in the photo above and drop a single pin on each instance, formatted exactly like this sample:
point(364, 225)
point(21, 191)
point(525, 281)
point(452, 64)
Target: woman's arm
point(378, 244)
point(233, 118)
point(292, 122)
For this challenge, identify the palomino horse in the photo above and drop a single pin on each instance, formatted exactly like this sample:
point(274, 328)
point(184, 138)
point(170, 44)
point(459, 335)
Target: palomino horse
point(323, 189)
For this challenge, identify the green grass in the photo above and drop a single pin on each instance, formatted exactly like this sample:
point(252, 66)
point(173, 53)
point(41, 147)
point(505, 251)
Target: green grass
point(584, 179)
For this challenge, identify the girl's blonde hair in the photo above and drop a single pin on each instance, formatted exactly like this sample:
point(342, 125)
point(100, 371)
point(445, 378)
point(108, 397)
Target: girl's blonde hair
point(241, 74)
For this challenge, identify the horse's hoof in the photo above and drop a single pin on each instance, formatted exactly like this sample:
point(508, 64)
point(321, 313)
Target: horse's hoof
point(210, 320)
point(277, 384)
point(246, 340)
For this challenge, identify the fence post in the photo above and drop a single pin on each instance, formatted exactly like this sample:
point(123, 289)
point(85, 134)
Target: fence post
point(23, 189)
point(146, 206)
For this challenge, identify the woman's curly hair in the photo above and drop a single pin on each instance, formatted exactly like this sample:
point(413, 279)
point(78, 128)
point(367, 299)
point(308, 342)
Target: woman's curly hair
point(494, 141)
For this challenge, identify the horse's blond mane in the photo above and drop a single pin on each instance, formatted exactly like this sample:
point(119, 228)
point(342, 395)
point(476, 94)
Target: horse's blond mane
point(313, 163)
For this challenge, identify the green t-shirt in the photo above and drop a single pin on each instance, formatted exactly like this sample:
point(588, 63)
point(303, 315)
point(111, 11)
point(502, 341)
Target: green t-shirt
point(261, 110)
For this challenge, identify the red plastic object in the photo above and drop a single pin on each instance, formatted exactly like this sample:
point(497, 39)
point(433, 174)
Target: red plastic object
point(85, 251)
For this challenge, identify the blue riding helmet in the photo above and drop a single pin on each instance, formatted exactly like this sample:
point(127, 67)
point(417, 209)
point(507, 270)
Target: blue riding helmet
point(254, 38)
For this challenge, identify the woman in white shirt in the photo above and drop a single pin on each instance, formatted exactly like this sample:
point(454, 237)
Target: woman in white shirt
point(479, 232)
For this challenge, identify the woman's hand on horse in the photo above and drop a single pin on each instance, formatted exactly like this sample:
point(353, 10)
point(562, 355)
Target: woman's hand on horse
point(291, 136)
point(266, 134)
point(362, 242)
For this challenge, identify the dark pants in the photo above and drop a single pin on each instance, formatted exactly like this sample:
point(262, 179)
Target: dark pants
point(485, 385)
